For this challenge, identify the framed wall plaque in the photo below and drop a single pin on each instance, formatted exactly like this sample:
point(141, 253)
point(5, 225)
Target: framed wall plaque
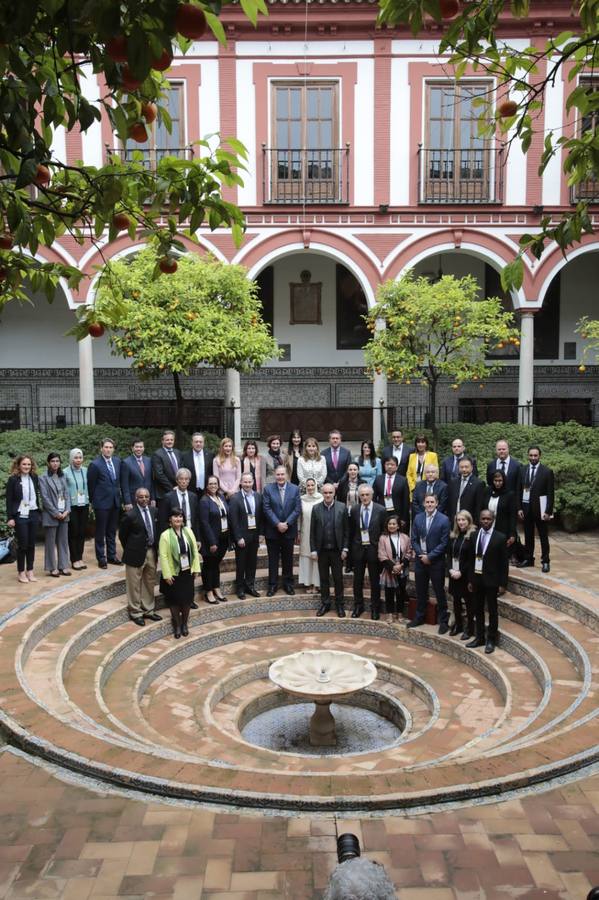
point(305, 301)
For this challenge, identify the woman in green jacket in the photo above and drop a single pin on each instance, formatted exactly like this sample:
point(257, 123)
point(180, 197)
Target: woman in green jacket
point(179, 563)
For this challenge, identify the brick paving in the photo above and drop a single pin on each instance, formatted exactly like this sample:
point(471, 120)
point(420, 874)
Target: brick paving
point(61, 840)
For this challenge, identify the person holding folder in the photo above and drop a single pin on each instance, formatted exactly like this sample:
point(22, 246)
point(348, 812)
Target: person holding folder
point(535, 507)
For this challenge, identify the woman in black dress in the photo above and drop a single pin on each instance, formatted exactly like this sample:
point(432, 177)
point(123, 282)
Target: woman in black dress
point(460, 552)
point(214, 533)
point(295, 448)
point(179, 563)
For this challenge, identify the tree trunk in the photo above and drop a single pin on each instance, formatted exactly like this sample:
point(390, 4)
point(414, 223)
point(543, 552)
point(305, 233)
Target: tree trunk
point(432, 406)
point(179, 409)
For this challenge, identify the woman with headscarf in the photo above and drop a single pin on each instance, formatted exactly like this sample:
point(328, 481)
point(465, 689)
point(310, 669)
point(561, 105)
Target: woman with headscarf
point(76, 478)
point(56, 502)
point(308, 567)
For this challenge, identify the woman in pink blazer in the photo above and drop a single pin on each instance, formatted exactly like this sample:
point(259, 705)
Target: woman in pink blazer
point(394, 553)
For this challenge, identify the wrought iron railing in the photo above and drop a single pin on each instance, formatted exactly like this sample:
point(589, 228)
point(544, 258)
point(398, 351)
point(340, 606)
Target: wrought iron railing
point(305, 176)
point(473, 175)
point(150, 156)
point(585, 190)
point(212, 417)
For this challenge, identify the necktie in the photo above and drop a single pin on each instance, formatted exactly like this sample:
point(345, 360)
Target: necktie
point(335, 457)
point(173, 460)
point(455, 465)
point(429, 489)
point(484, 540)
point(503, 466)
point(366, 518)
point(429, 519)
point(533, 472)
point(388, 488)
point(185, 507)
point(142, 468)
point(462, 487)
point(249, 503)
point(110, 465)
point(148, 524)
point(282, 494)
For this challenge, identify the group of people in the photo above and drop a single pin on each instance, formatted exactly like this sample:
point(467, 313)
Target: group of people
point(368, 514)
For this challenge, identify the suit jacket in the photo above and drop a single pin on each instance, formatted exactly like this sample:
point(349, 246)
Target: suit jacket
point(343, 488)
point(171, 501)
point(505, 514)
point(430, 459)
point(402, 467)
point(463, 551)
point(340, 525)
point(238, 518)
point(495, 562)
point(133, 536)
point(436, 539)
point(275, 513)
point(446, 473)
point(210, 523)
point(132, 479)
point(542, 486)
point(163, 473)
point(439, 490)
point(14, 495)
point(472, 497)
point(51, 492)
point(512, 475)
point(188, 462)
point(104, 492)
point(375, 528)
point(334, 475)
point(400, 495)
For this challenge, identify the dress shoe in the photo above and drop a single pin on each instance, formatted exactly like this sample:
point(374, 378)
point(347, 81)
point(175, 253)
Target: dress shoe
point(102, 564)
point(115, 562)
point(489, 647)
point(375, 615)
point(55, 574)
point(545, 567)
point(290, 591)
point(466, 636)
point(524, 564)
point(137, 620)
point(64, 572)
point(475, 643)
point(252, 592)
point(271, 592)
point(221, 598)
point(357, 612)
point(219, 594)
point(194, 605)
point(323, 609)
point(454, 630)
point(240, 595)
point(154, 617)
point(341, 612)
point(443, 628)
point(176, 634)
point(415, 623)
point(184, 630)
point(22, 578)
point(210, 598)
point(79, 568)
point(31, 576)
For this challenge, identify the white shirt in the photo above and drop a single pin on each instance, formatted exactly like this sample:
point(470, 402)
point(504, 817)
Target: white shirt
point(506, 461)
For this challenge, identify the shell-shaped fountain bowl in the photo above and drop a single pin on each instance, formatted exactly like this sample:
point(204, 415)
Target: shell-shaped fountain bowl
point(322, 674)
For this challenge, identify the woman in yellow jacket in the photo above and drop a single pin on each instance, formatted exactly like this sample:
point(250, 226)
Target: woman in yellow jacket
point(179, 563)
point(418, 460)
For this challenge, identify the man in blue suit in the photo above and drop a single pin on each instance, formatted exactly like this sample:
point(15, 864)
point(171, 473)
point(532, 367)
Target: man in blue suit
point(136, 472)
point(337, 459)
point(281, 506)
point(430, 536)
point(103, 482)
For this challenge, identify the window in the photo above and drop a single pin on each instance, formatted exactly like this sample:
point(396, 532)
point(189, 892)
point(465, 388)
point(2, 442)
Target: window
point(457, 165)
point(589, 188)
point(161, 142)
point(305, 163)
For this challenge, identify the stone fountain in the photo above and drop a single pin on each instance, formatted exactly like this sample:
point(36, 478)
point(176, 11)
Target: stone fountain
point(322, 676)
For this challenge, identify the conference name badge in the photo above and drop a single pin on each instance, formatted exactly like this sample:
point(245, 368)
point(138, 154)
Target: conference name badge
point(224, 524)
point(24, 510)
point(184, 562)
point(526, 495)
point(388, 502)
point(81, 499)
point(61, 504)
point(478, 565)
point(251, 521)
point(455, 564)
point(365, 536)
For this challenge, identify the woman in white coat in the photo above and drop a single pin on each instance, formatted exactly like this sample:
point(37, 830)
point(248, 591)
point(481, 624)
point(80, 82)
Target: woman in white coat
point(308, 567)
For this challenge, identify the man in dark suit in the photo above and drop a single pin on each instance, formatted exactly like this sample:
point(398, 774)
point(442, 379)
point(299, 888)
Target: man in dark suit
point(450, 467)
point(465, 492)
point(136, 472)
point(430, 536)
point(165, 464)
point(432, 484)
point(337, 459)
point(535, 507)
point(181, 498)
point(329, 528)
point(138, 533)
point(246, 525)
point(391, 491)
point(199, 462)
point(489, 572)
point(103, 482)
point(400, 450)
point(505, 463)
point(282, 508)
point(366, 522)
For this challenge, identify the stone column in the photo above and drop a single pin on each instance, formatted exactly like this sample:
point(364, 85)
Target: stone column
point(233, 403)
point(526, 378)
point(87, 398)
point(379, 398)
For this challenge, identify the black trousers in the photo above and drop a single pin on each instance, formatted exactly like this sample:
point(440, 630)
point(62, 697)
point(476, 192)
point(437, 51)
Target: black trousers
point(530, 520)
point(486, 596)
point(77, 525)
point(25, 531)
point(396, 599)
point(459, 592)
point(363, 560)
point(435, 575)
point(330, 561)
point(107, 521)
point(280, 549)
point(211, 564)
point(245, 564)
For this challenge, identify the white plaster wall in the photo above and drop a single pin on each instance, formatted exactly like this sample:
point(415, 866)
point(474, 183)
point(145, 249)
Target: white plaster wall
point(92, 138)
point(311, 345)
point(400, 150)
point(552, 177)
point(246, 131)
point(208, 97)
point(458, 264)
point(578, 298)
point(362, 153)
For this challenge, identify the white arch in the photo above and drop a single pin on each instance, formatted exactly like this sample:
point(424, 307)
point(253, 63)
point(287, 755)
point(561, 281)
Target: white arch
point(319, 250)
point(482, 253)
point(563, 261)
point(61, 281)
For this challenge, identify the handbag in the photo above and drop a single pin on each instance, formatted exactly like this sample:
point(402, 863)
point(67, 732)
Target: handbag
point(8, 550)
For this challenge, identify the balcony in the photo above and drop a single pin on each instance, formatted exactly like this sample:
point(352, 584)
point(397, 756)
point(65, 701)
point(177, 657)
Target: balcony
point(585, 190)
point(305, 176)
point(151, 156)
point(469, 176)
